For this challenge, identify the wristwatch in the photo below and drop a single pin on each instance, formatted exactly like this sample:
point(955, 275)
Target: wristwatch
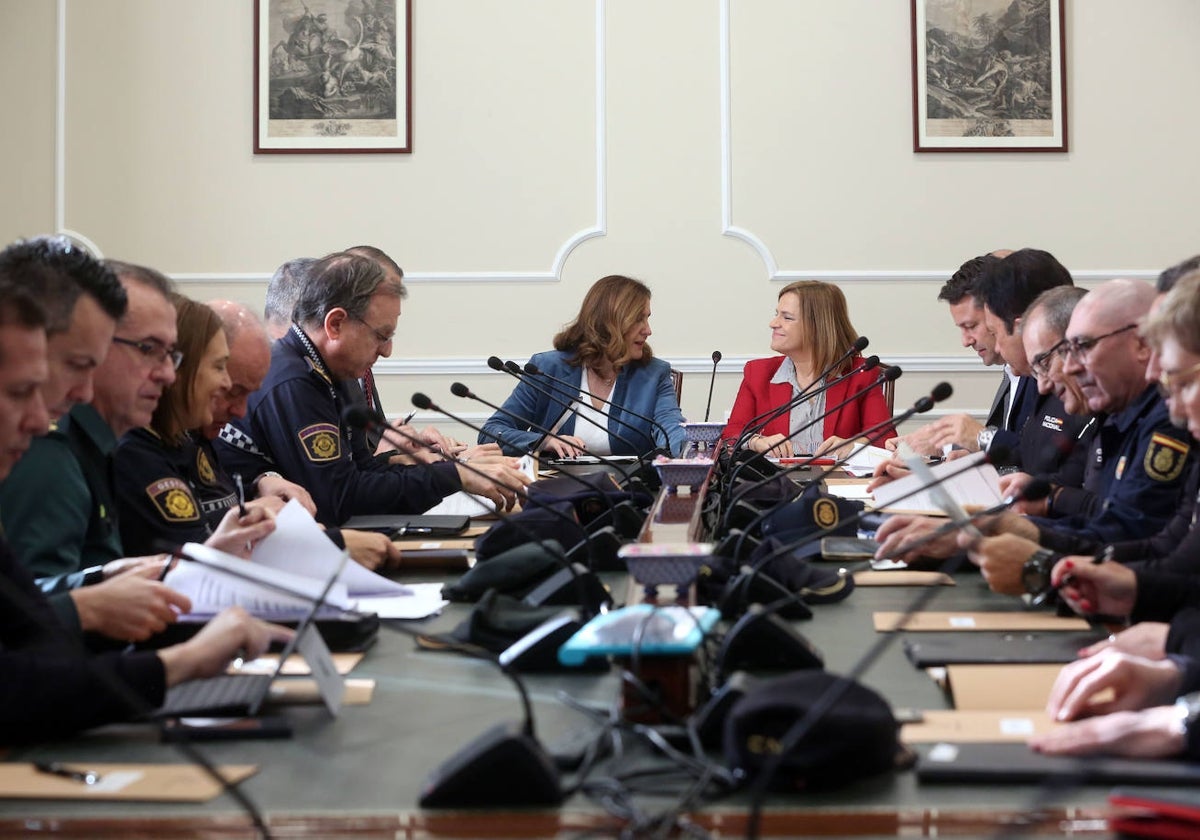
point(1189, 710)
point(1035, 574)
point(984, 439)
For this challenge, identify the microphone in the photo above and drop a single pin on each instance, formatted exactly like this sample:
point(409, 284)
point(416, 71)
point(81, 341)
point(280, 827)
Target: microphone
point(919, 407)
point(762, 420)
point(716, 357)
point(532, 369)
point(634, 523)
point(749, 573)
point(888, 374)
point(812, 718)
point(360, 417)
point(569, 404)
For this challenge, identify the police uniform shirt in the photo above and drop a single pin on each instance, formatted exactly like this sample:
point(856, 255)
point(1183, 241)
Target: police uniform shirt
point(293, 425)
point(1050, 446)
point(1139, 482)
point(58, 509)
point(158, 492)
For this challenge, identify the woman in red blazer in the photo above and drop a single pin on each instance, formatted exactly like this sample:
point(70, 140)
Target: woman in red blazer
point(811, 328)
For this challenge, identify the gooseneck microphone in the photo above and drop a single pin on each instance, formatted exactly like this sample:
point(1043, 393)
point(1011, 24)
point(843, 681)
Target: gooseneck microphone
point(532, 370)
point(623, 525)
point(716, 357)
point(754, 424)
point(919, 407)
point(889, 374)
point(512, 369)
point(815, 388)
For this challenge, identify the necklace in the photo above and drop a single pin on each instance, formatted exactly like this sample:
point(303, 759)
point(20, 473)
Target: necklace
point(603, 381)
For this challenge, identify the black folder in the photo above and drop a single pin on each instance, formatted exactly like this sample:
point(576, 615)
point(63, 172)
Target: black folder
point(997, 763)
point(411, 525)
point(926, 650)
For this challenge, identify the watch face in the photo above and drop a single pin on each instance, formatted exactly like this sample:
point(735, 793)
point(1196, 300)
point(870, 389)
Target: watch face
point(1035, 576)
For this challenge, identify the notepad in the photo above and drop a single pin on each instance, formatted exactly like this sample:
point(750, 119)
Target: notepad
point(886, 622)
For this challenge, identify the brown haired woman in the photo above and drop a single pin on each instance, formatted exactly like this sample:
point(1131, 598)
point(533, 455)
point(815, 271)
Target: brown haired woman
point(811, 329)
point(604, 352)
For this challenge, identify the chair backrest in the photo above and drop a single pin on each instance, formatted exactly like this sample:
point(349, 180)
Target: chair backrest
point(677, 381)
point(889, 391)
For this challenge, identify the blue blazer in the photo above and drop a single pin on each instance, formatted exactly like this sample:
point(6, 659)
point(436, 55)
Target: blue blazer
point(644, 388)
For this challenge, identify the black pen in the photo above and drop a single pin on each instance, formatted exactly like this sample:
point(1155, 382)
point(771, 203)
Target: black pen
point(241, 490)
point(409, 418)
point(53, 768)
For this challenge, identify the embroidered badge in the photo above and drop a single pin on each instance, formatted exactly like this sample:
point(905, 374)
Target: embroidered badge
point(204, 467)
point(1165, 458)
point(174, 500)
point(1054, 424)
point(825, 513)
point(321, 441)
point(1120, 471)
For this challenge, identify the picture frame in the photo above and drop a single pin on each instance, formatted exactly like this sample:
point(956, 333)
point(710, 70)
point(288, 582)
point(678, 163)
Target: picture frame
point(989, 76)
point(332, 76)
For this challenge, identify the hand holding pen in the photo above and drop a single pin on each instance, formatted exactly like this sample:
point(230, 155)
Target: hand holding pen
point(1092, 586)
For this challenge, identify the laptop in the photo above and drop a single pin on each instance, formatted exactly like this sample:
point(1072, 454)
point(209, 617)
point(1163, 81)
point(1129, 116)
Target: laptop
point(243, 695)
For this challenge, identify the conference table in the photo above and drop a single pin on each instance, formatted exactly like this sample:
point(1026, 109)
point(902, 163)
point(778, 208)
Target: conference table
point(360, 774)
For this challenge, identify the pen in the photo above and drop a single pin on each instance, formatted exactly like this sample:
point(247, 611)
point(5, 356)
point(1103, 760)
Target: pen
point(241, 491)
point(53, 768)
point(409, 418)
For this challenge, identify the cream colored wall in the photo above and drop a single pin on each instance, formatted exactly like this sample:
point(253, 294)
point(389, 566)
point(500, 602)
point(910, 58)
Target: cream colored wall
point(559, 140)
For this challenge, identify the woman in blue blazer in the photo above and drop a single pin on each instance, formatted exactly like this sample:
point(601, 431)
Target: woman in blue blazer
point(604, 352)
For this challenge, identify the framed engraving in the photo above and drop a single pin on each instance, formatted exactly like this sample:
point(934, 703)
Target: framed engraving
point(332, 76)
point(989, 76)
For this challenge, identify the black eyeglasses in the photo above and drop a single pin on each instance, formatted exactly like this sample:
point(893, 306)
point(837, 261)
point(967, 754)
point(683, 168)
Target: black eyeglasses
point(1040, 364)
point(380, 336)
point(153, 350)
point(1080, 347)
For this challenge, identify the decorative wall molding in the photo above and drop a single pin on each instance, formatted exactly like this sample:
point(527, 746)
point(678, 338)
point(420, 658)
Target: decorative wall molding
point(597, 229)
point(774, 272)
point(730, 365)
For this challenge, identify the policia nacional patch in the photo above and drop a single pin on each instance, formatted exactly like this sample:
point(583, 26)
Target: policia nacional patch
point(174, 500)
point(321, 442)
point(1165, 458)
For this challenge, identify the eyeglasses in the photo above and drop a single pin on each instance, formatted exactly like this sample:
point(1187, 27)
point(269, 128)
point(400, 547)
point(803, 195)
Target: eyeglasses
point(1081, 347)
point(1040, 364)
point(1172, 381)
point(380, 336)
point(153, 350)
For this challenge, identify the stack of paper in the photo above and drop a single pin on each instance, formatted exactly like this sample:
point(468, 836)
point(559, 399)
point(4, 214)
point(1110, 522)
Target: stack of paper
point(296, 558)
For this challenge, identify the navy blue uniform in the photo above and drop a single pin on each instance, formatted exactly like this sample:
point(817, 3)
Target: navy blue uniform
point(293, 425)
point(1142, 470)
point(51, 687)
point(167, 493)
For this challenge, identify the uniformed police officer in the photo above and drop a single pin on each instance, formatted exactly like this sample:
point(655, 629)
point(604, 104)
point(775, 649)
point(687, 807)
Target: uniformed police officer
point(1144, 459)
point(344, 320)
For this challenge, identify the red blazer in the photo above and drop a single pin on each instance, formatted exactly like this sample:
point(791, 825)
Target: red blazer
point(757, 395)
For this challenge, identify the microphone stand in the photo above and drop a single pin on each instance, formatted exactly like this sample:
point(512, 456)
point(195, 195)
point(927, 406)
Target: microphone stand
point(750, 572)
point(716, 358)
point(885, 376)
point(754, 425)
point(625, 526)
point(362, 417)
point(562, 386)
point(801, 728)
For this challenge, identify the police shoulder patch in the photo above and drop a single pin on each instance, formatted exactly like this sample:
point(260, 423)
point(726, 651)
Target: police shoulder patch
point(321, 442)
point(173, 499)
point(204, 467)
point(1165, 457)
point(825, 513)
